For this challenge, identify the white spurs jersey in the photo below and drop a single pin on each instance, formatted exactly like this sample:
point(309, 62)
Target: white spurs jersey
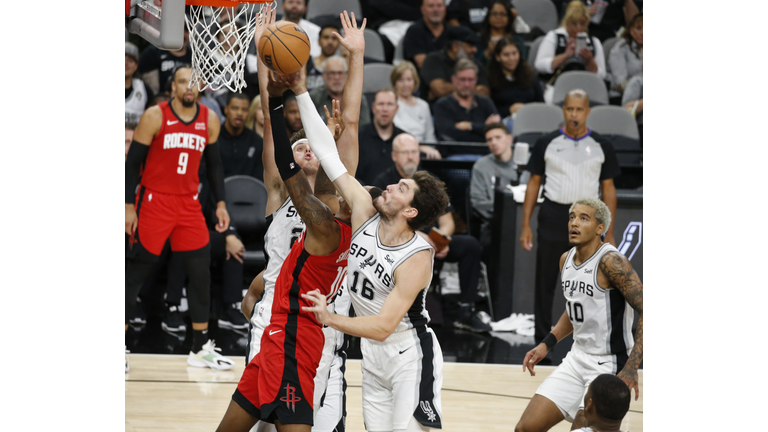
point(602, 318)
point(340, 305)
point(284, 226)
point(372, 266)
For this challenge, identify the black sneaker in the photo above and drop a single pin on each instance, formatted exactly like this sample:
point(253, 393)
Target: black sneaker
point(469, 320)
point(232, 318)
point(139, 318)
point(173, 322)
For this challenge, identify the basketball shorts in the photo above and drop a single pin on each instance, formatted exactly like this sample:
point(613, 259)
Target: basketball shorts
point(568, 384)
point(402, 378)
point(162, 216)
point(329, 402)
point(278, 384)
point(260, 317)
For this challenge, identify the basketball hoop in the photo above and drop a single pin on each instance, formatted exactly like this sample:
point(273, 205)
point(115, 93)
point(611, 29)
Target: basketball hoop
point(220, 32)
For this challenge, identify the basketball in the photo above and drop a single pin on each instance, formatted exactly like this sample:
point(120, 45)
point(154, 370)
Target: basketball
point(284, 47)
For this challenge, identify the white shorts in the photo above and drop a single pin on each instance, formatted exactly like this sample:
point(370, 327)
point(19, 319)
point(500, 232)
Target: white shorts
point(402, 378)
point(330, 416)
point(260, 317)
point(568, 384)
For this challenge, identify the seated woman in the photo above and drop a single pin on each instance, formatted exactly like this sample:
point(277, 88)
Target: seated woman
point(497, 24)
point(557, 52)
point(255, 118)
point(413, 115)
point(512, 80)
point(626, 56)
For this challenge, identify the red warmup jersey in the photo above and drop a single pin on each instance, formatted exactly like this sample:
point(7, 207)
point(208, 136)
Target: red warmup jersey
point(174, 155)
point(325, 273)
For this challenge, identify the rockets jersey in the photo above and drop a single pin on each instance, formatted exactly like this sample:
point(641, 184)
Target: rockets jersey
point(602, 318)
point(302, 273)
point(371, 275)
point(174, 155)
point(277, 242)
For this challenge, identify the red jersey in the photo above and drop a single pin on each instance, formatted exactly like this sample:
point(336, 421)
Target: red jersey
point(174, 155)
point(325, 273)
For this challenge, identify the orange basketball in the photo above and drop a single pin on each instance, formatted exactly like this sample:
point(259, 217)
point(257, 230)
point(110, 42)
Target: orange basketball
point(284, 47)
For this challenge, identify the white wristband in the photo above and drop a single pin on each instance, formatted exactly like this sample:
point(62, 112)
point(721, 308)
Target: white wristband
point(320, 138)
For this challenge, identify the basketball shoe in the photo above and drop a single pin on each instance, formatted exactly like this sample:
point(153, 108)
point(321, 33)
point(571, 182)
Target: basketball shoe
point(173, 322)
point(208, 357)
point(232, 318)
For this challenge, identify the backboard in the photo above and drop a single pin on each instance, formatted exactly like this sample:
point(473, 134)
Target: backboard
point(160, 22)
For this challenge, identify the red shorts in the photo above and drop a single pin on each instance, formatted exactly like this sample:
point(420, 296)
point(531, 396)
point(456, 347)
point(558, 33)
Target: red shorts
point(179, 217)
point(279, 383)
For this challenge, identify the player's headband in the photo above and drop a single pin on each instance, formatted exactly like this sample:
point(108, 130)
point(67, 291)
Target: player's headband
point(301, 141)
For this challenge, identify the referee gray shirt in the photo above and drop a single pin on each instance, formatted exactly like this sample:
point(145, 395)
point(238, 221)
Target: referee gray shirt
point(573, 168)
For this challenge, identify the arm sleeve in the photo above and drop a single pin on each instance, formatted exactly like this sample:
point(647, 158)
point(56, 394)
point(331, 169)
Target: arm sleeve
point(215, 171)
point(546, 53)
point(284, 160)
point(320, 139)
point(137, 154)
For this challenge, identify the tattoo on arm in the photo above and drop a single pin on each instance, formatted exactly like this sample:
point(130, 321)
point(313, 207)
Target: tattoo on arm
point(323, 185)
point(579, 421)
point(623, 277)
point(311, 209)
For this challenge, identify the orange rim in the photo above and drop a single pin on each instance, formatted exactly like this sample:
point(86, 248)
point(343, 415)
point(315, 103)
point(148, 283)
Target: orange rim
point(224, 3)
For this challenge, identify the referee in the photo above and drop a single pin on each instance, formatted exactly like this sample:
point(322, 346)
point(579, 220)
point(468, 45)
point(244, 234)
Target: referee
point(573, 162)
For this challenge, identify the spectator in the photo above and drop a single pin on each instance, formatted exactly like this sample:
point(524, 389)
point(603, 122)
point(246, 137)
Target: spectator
point(292, 114)
point(427, 34)
point(438, 66)
point(329, 45)
point(626, 56)
point(492, 170)
point(294, 11)
point(240, 147)
point(204, 98)
point(608, 16)
point(462, 115)
point(513, 81)
point(376, 137)
point(160, 97)
point(335, 78)
point(255, 119)
point(498, 23)
point(413, 115)
point(137, 95)
point(463, 248)
point(557, 52)
point(129, 128)
point(156, 66)
point(633, 101)
point(573, 162)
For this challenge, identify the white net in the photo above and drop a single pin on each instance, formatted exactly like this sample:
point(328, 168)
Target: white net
point(219, 38)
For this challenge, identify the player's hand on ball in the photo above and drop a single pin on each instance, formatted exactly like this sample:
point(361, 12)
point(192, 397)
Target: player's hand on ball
point(630, 379)
point(353, 39)
point(277, 84)
point(335, 122)
point(533, 357)
point(319, 306)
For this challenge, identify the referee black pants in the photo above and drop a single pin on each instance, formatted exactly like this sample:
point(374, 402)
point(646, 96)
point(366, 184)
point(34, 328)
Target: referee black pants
point(552, 242)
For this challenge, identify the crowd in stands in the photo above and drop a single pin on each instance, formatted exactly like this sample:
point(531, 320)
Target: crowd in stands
point(461, 71)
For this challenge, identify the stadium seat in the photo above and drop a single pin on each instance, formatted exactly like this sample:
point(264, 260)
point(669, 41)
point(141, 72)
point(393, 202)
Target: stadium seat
point(247, 206)
point(613, 120)
point(534, 120)
point(618, 125)
point(587, 81)
point(319, 8)
point(533, 50)
point(376, 76)
point(538, 13)
point(374, 48)
point(607, 46)
point(398, 53)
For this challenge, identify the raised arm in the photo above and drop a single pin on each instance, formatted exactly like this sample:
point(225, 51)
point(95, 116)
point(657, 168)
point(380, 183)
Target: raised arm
point(354, 42)
point(411, 278)
point(621, 276)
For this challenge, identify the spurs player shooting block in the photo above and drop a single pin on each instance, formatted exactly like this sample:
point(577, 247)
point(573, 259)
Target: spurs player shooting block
point(602, 292)
point(285, 226)
point(390, 268)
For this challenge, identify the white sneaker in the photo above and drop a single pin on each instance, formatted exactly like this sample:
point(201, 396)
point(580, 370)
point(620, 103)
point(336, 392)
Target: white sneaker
point(126, 361)
point(208, 357)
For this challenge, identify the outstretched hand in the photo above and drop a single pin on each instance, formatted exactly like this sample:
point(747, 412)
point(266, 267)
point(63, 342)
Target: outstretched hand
point(335, 122)
point(533, 357)
point(278, 84)
point(262, 24)
point(319, 306)
point(353, 39)
point(630, 379)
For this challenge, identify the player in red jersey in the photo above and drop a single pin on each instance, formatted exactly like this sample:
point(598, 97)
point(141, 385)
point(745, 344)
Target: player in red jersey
point(170, 140)
point(277, 386)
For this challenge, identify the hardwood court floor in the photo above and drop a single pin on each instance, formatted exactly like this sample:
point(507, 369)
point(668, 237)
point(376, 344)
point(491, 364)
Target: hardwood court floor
point(162, 393)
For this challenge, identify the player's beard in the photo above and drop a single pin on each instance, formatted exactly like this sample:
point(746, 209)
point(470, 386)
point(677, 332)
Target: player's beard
point(187, 103)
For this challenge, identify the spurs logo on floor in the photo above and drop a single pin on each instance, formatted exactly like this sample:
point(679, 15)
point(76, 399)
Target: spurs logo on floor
point(290, 397)
point(428, 410)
